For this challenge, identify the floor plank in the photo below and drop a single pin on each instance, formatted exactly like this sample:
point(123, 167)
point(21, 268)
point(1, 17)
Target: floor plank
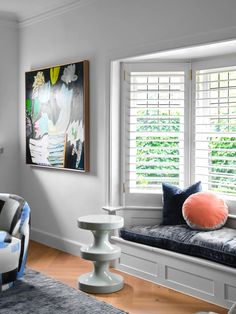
point(137, 297)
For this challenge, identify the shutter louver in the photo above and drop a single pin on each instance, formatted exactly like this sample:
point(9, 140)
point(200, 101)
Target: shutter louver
point(215, 129)
point(154, 129)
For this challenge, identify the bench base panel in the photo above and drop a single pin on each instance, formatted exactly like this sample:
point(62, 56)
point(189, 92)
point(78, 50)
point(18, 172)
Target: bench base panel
point(209, 281)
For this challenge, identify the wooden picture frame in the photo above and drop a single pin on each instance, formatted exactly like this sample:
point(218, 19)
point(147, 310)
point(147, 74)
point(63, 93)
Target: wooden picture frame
point(57, 117)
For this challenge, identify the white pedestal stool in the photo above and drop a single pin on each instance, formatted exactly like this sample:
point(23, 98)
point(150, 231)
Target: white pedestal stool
point(101, 252)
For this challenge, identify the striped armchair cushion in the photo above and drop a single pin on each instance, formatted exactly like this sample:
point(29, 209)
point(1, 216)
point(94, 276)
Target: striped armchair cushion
point(10, 250)
point(4, 239)
point(10, 212)
point(14, 238)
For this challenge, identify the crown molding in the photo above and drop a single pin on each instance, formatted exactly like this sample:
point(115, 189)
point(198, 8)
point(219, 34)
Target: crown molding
point(72, 5)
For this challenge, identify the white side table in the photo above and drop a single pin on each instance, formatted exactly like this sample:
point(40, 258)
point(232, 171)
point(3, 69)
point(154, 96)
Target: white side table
point(100, 252)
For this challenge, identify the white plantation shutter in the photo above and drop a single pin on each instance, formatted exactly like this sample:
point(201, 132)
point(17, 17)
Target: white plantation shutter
point(215, 129)
point(176, 130)
point(154, 128)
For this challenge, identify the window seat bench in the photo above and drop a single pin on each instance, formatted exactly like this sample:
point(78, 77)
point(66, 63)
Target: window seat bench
point(200, 264)
point(218, 245)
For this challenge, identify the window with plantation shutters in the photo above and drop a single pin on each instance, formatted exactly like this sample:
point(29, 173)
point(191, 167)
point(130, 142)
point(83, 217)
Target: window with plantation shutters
point(215, 129)
point(177, 128)
point(154, 128)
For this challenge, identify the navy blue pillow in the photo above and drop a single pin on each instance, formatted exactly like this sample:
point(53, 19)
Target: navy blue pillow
point(173, 199)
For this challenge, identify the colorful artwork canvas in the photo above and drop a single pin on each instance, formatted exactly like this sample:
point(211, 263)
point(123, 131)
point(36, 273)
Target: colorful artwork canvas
point(57, 116)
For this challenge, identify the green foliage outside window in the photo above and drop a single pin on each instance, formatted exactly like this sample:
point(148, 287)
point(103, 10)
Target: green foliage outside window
point(157, 157)
point(223, 162)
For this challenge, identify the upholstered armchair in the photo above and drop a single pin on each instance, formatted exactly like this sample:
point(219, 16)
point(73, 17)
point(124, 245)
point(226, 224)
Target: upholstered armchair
point(14, 238)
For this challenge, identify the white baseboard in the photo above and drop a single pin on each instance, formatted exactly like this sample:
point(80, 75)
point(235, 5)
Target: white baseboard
point(52, 240)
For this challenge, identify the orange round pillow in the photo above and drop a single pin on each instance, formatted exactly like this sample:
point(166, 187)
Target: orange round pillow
point(205, 211)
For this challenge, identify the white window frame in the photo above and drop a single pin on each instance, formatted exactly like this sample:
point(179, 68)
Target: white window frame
point(151, 199)
point(148, 200)
point(213, 63)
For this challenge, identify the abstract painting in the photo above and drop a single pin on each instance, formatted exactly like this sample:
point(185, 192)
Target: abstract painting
point(57, 116)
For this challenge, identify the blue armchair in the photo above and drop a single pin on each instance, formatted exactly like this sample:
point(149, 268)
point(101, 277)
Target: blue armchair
point(14, 238)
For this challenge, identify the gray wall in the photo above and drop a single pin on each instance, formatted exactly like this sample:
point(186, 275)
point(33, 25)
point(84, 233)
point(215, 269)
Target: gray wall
point(100, 31)
point(9, 139)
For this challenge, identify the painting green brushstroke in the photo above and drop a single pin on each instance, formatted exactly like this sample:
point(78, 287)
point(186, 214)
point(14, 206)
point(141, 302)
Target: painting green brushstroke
point(28, 106)
point(54, 73)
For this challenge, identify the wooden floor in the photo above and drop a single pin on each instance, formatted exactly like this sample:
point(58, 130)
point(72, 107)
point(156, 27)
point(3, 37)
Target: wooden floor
point(137, 297)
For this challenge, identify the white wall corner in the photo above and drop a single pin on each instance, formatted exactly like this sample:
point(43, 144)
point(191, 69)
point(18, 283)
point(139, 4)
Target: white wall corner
point(8, 20)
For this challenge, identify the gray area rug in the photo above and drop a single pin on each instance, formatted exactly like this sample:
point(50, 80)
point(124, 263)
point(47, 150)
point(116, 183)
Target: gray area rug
point(38, 294)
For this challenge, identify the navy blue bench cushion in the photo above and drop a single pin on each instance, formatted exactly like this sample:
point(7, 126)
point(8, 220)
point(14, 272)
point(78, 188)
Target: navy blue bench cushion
point(218, 245)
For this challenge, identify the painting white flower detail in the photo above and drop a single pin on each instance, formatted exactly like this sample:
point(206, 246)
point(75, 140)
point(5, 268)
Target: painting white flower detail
point(63, 98)
point(69, 74)
point(75, 132)
point(44, 92)
point(39, 80)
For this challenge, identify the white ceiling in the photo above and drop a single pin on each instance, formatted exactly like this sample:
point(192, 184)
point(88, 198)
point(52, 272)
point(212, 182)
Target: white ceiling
point(23, 10)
